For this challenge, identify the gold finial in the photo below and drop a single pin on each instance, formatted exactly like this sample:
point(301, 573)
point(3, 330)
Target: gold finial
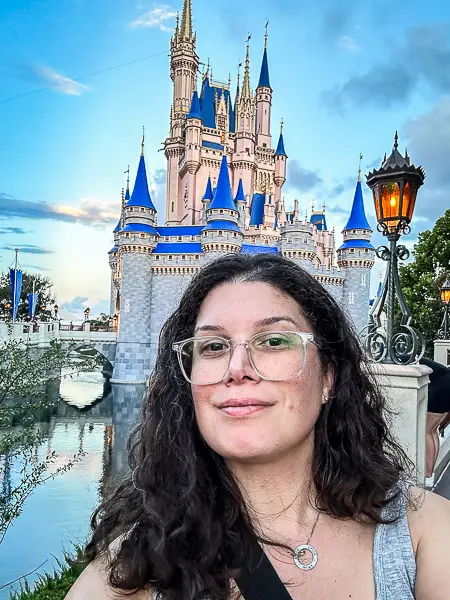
point(359, 170)
point(143, 140)
point(266, 35)
point(281, 125)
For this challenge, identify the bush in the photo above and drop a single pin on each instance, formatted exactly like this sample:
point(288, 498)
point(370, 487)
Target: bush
point(57, 585)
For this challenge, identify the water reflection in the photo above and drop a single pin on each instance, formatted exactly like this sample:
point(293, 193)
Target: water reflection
point(93, 417)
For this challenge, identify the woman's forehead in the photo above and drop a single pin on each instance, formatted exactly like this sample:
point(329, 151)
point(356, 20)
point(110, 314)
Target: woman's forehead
point(247, 303)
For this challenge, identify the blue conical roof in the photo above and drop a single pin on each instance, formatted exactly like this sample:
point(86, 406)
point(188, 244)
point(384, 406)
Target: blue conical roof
point(240, 196)
point(141, 195)
point(280, 151)
point(223, 197)
point(264, 80)
point(127, 194)
point(358, 219)
point(195, 112)
point(118, 227)
point(208, 195)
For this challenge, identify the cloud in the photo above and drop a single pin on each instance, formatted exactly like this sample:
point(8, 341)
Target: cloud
point(302, 179)
point(47, 76)
point(335, 20)
point(89, 211)
point(35, 267)
point(78, 304)
point(417, 61)
point(17, 230)
point(348, 43)
point(157, 187)
point(27, 249)
point(157, 17)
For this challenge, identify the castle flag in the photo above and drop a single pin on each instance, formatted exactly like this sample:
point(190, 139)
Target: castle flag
point(32, 301)
point(15, 276)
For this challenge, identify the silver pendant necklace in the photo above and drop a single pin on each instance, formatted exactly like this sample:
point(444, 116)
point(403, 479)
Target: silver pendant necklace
point(305, 555)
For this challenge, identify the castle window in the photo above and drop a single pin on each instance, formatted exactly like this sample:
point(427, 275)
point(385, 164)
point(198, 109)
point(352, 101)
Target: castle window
point(166, 238)
point(364, 279)
point(366, 250)
point(264, 145)
point(192, 238)
point(220, 232)
point(234, 234)
point(142, 209)
point(157, 257)
point(220, 212)
point(142, 235)
point(353, 230)
point(183, 257)
point(253, 240)
point(173, 206)
point(127, 235)
point(352, 250)
point(170, 257)
point(351, 298)
point(266, 242)
point(179, 238)
point(131, 209)
point(197, 257)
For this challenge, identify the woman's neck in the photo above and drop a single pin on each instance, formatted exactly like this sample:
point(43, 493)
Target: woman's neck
point(279, 493)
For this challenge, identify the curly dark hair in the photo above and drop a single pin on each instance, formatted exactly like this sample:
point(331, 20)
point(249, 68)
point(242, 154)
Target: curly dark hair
point(186, 529)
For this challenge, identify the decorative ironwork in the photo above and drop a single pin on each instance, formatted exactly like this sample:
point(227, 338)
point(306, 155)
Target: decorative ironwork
point(444, 330)
point(382, 342)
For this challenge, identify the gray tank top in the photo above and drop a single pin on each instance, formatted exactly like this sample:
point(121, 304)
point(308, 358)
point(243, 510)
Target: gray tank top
point(394, 563)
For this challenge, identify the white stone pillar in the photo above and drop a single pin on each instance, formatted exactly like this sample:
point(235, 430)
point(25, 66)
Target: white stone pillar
point(406, 389)
point(442, 352)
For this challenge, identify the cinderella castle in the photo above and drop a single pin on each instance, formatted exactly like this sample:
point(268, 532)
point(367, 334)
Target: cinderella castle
point(224, 181)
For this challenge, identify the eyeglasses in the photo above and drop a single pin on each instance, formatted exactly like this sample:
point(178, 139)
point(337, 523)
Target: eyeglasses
point(274, 355)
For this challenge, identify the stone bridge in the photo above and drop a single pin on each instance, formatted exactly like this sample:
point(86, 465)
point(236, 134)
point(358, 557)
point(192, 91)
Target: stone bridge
point(39, 335)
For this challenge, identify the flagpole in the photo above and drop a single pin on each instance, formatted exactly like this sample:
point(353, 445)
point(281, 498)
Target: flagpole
point(15, 287)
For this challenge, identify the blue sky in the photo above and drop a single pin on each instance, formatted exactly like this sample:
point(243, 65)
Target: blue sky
point(346, 74)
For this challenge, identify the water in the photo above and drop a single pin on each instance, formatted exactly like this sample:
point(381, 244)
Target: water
point(92, 416)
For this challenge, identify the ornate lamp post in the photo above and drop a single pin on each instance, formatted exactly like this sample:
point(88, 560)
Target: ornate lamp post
point(444, 331)
point(394, 187)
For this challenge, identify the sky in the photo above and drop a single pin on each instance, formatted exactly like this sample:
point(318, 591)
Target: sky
point(80, 78)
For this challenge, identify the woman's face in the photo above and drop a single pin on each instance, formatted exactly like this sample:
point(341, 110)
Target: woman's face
point(286, 422)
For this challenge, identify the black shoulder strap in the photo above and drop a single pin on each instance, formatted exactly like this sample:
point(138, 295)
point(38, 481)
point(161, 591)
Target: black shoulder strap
point(260, 581)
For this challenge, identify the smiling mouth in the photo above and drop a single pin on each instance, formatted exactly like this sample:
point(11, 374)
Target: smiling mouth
point(244, 410)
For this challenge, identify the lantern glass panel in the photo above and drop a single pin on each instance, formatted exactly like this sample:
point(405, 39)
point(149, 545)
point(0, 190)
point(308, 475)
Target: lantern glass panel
point(376, 197)
point(390, 199)
point(445, 295)
point(413, 201)
point(406, 204)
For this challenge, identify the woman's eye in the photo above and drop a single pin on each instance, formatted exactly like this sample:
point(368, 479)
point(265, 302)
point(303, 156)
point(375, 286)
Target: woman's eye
point(212, 347)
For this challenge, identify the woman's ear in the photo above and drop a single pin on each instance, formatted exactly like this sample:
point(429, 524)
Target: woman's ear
point(327, 387)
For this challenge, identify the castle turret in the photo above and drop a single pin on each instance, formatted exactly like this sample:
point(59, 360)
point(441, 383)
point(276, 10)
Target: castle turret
point(137, 240)
point(193, 129)
point(280, 165)
point(183, 72)
point(357, 257)
point(264, 103)
point(239, 201)
point(222, 233)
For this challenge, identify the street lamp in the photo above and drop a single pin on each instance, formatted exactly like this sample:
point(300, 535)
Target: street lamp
point(394, 187)
point(444, 331)
point(86, 313)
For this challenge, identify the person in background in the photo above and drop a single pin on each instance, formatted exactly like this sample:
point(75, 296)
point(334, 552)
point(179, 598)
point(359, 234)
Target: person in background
point(438, 409)
point(263, 427)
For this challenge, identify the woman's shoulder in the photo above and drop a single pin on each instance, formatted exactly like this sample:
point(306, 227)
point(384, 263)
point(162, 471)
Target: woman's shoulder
point(93, 581)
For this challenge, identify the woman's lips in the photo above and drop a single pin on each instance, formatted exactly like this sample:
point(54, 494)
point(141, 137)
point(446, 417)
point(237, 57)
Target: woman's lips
point(244, 411)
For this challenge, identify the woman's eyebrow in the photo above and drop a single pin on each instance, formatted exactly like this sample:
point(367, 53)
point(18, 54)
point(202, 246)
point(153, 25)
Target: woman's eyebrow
point(261, 323)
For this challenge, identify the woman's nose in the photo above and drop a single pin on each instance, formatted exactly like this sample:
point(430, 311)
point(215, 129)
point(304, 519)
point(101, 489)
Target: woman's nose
point(240, 368)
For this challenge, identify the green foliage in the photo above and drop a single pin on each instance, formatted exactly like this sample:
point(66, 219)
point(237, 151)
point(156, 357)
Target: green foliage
point(422, 278)
point(25, 373)
point(46, 307)
point(54, 586)
point(101, 321)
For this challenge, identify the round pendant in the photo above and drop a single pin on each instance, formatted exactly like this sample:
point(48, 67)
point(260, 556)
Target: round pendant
point(305, 557)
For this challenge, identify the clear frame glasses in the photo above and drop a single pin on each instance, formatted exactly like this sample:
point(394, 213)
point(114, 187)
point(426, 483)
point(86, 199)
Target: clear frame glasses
point(274, 355)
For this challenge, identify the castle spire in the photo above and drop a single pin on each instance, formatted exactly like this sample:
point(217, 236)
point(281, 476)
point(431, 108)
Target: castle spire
point(141, 195)
point(246, 92)
point(280, 151)
point(358, 219)
point(127, 192)
point(143, 140)
point(359, 170)
point(264, 80)
point(223, 197)
point(186, 21)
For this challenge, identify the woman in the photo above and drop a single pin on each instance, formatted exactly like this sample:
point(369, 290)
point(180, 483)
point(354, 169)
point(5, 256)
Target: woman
point(261, 422)
point(438, 410)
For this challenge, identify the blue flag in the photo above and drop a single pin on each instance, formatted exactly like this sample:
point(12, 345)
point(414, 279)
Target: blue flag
point(16, 285)
point(32, 301)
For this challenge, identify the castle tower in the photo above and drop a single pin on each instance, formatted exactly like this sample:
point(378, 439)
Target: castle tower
point(280, 165)
point(264, 103)
point(193, 130)
point(239, 201)
point(183, 72)
point(222, 233)
point(357, 256)
point(137, 240)
point(243, 161)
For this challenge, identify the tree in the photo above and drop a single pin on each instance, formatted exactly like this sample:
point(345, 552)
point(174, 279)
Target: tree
point(46, 307)
point(422, 278)
point(25, 373)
